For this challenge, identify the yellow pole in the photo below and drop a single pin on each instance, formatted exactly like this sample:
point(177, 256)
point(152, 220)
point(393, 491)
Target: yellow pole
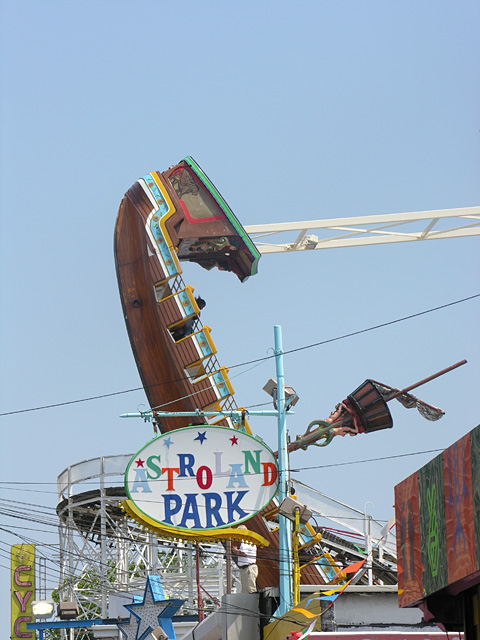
point(296, 562)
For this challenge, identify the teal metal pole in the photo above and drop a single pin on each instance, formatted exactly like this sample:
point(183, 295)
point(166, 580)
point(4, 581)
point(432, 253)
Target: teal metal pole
point(285, 551)
point(148, 415)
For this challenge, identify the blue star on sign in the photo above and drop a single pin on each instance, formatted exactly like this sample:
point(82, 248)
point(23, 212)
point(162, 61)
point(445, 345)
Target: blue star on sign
point(152, 611)
point(167, 442)
point(201, 436)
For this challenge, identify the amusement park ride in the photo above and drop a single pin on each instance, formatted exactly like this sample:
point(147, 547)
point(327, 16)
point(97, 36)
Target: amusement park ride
point(179, 215)
point(176, 216)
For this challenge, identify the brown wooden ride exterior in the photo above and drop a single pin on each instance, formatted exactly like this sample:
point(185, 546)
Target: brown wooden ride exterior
point(174, 376)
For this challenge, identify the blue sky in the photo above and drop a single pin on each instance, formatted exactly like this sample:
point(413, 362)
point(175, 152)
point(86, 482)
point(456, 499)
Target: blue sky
point(297, 112)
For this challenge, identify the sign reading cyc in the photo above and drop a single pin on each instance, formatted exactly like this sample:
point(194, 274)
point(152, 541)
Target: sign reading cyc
point(202, 478)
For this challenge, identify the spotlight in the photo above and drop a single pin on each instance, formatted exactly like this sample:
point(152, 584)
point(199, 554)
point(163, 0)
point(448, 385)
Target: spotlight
point(289, 506)
point(67, 610)
point(291, 397)
point(43, 609)
point(158, 634)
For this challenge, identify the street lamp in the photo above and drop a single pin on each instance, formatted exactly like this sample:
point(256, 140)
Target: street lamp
point(43, 609)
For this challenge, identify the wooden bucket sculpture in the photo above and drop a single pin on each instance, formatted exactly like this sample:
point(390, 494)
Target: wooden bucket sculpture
point(365, 410)
point(370, 408)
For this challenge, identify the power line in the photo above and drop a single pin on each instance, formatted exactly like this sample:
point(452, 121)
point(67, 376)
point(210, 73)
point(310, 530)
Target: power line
point(320, 466)
point(226, 608)
point(341, 464)
point(379, 326)
point(258, 360)
point(77, 556)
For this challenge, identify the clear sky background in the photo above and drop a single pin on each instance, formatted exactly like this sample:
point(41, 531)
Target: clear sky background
point(297, 111)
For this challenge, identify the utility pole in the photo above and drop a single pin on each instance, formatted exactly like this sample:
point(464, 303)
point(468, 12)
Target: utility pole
point(280, 412)
point(285, 550)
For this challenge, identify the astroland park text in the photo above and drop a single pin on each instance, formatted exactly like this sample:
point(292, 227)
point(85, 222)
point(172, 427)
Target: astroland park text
point(202, 496)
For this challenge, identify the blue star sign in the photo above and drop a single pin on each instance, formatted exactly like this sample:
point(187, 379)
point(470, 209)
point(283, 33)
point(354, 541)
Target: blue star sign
point(201, 436)
point(153, 611)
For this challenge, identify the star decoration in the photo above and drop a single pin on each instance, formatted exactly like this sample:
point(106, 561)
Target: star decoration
point(167, 442)
point(146, 612)
point(129, 630)
point(140, 462)
point(234, 440)
point(201, 436)
point(151, 611)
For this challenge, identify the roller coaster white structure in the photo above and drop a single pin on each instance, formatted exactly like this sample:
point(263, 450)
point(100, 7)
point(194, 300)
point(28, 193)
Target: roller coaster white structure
point(103, 553)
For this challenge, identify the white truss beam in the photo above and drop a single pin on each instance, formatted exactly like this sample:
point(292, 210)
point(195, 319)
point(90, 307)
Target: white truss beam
point(368, 230)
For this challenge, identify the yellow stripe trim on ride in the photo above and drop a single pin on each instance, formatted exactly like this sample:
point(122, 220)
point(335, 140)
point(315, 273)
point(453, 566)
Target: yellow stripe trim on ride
point(171, 210)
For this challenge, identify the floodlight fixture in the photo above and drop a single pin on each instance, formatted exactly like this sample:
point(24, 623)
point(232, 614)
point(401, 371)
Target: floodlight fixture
point(158, 634)
point(291, 397)
point(289, 506)
point(43, 609)
point(67, 610)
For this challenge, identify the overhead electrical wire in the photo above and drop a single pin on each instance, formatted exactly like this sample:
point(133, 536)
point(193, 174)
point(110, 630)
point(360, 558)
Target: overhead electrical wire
point(257, 360)
point(16, 483)
point(231, 607)
point(342, 464)
point(167, 548)
point(20, 515)
point(54, 573)
point(65, 573)
point(49, 522)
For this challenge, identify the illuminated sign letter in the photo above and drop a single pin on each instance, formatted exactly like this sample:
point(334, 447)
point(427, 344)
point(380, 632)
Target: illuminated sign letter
point(213, 503)
point(23, 599)
point(270, 474)
point(204, 477)
point(141, 482)
point(169, 509)
point(187, 460)
point(151, 464)
point(250, 460)
point(237, 477)
point(16, 576)
point(232, 505)
point(191, 511)
point(170, 471)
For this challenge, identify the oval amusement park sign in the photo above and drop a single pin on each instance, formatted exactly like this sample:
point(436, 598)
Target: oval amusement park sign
point(200, 478)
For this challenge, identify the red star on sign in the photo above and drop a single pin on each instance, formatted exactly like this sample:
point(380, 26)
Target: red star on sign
point(140, 462)
point(234, 440)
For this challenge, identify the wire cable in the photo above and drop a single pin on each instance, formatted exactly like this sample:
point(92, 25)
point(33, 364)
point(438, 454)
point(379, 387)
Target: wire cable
point(319, 466)
point(257, 360)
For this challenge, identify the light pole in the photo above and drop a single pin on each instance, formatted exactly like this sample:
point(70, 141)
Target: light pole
point(280, 411)
point(285, 542)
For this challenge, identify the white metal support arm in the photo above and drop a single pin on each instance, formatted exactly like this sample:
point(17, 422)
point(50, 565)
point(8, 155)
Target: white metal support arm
point(367, 230)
